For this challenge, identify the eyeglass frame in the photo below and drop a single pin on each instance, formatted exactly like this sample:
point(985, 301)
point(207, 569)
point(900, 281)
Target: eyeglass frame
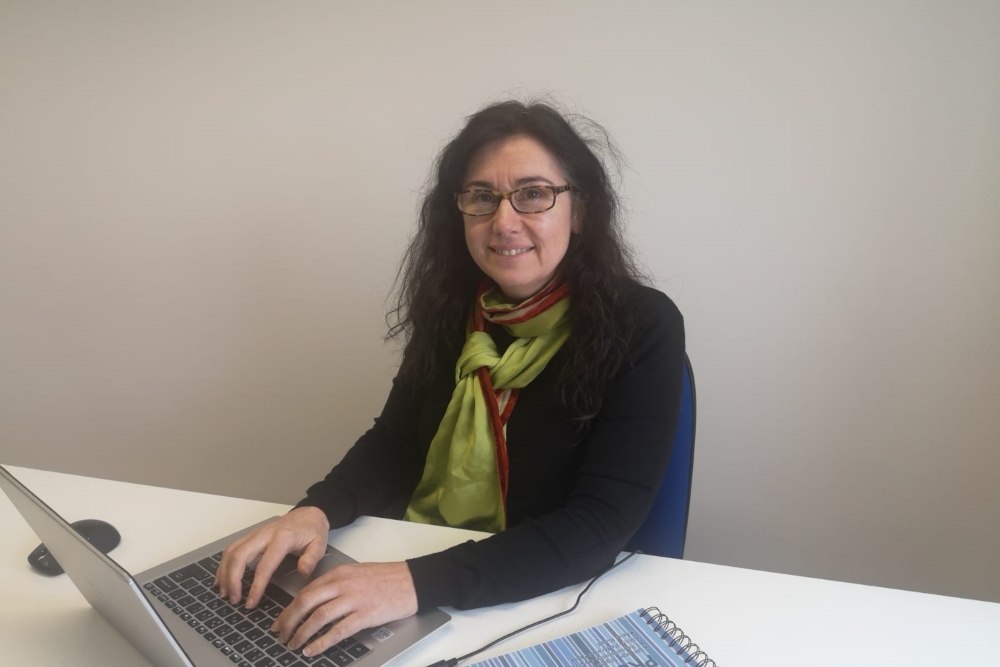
point(556, 191)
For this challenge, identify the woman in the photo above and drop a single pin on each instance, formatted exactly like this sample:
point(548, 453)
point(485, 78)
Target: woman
point(536, 399)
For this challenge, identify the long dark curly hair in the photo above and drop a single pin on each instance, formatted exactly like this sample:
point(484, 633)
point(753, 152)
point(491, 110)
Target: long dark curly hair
point(437, 280)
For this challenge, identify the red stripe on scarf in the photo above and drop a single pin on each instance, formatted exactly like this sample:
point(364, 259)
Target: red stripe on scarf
point(556, 290)
point(511, 400)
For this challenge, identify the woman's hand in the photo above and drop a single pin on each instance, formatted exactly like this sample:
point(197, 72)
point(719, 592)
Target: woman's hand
point(302, 531)
point(351, 597)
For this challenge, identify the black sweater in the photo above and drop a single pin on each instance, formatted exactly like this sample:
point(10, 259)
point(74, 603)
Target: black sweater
point(574, 498)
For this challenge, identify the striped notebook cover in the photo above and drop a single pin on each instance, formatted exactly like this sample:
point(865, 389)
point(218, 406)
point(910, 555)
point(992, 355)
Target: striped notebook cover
point(644, 638)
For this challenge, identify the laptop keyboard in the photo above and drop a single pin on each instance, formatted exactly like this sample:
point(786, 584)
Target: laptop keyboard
point(242, 635)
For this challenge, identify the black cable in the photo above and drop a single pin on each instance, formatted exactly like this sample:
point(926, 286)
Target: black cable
point(451, 662)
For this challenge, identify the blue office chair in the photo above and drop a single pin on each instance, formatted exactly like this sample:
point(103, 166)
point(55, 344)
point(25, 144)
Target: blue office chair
point(665, 528)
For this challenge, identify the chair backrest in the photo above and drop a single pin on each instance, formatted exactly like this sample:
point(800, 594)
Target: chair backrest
point(665, 528)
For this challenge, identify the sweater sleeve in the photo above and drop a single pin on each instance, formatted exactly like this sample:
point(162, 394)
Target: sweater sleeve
point(626, 452)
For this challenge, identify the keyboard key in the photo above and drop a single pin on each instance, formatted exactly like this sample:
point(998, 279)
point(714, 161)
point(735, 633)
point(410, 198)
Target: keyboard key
point(338, 657)
point(265, 624)
point(358, 650)
point(236, 658)
point(256, 615)
point(201, 629)
point(253, 654)
point(165, 584)
point(196, 607)
point(163, 598)
point(216, 603)
point(223, 630)
point(214, 622)
point(218, 643)
point(243, 646)
point(177, 609)
point(275, 611)
point(217, 557)
point(207, 615)
point(265, 641)
point(179, 593)
point(266, 603)
point(190, 582)
point(276, 650)
point(186, 616)
point(209, 564)
point(286, 659)
point(193, 570)
point(208, 597)
point(233, 638)
point(244, 625)
point(244, 663)
point(197, 590)
point(224, 610)
point(186, 600)
point(254, 634)
point(323, 662)
point(155, 591)
point(210, 636)
point(265, 662)
point(278, 595)
point(234, 618)
point(226, 650)
point(194, 623)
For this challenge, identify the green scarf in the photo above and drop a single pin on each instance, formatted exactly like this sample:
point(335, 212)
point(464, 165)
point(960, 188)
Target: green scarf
point(464, 483)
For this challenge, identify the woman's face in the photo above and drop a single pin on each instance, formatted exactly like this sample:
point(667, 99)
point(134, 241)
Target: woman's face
point(521, 252)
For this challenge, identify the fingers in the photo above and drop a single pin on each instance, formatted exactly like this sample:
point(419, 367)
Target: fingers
point(351, 598)
point(311, 601)
point(314, 551)
point(299, 529)
point(275, 552)
point(334, 613)
point(234, 561)
point(347, 626)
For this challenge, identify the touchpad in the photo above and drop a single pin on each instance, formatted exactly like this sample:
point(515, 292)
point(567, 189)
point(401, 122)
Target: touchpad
point(290, 579)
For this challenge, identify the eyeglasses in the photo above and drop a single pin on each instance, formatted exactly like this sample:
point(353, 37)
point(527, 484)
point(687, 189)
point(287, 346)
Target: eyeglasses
point(532, 199)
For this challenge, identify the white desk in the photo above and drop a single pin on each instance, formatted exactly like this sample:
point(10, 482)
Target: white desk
point(741, 617)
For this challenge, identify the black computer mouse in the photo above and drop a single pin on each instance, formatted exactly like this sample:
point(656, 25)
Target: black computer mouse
point(101, 534)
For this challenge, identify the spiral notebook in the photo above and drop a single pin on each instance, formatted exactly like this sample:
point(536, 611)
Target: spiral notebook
point(644, 638)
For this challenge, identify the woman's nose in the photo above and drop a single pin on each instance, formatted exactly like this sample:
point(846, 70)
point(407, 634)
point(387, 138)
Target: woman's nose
point(506, 219)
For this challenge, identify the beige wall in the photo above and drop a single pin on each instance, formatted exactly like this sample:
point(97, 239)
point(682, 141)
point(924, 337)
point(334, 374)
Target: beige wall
point(202, 206)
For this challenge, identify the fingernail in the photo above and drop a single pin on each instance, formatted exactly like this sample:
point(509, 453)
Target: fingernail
point(307, 652)
point(251, 603)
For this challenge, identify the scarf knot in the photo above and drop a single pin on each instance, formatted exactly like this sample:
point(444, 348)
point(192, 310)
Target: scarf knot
point(464, 483)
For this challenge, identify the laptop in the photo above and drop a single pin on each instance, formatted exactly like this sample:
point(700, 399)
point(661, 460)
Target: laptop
point(174, 618)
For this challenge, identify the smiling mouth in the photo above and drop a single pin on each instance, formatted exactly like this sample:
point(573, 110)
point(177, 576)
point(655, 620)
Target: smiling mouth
point(513, 252)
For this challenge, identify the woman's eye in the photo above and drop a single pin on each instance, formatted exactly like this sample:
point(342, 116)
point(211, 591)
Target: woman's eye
point(532, 193)
point(483, 197)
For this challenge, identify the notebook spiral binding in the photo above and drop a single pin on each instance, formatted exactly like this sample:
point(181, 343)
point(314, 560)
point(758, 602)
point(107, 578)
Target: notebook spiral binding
point(676, 638)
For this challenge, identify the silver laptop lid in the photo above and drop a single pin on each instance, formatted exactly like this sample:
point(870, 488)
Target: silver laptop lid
point(167, 641)
point(108, 587)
